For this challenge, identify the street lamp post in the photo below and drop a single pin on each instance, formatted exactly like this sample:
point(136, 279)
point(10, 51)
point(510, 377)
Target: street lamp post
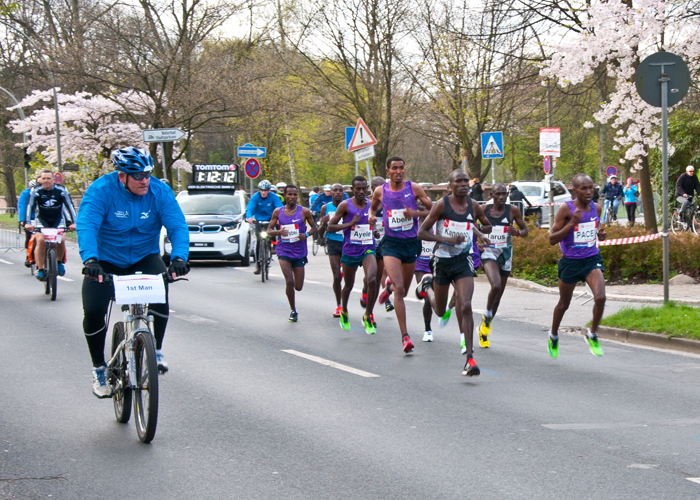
point(21, 115)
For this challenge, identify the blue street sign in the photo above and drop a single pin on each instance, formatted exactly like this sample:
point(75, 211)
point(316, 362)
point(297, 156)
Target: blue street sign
point(547, 165)
point(491, 145)
point(611, 171)
point(349, 132)
point(250, 151)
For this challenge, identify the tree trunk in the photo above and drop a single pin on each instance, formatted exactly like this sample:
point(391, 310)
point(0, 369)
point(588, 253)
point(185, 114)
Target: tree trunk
point(647, 197)
point(602, 153)
point(10, 187)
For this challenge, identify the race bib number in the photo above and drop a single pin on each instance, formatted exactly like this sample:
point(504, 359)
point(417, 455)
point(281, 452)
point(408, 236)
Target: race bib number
point(398, 220)
point(52, 234)
point(379, 227)
point(361, 234)
point(454, 228)
point(139, 289)
point(585, 234)
point(292, 233)
point(498, 237)
point(427, 249)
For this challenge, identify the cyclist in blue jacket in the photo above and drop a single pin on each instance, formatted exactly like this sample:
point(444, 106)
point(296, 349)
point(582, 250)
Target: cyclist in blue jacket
point(260, 208)
point(22, 209)
point(118, 227)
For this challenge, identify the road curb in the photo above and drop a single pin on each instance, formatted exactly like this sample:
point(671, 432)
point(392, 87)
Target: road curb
point(649, 339)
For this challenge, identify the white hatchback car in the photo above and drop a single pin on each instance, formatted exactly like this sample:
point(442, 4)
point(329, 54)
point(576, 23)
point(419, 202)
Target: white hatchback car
point(218, 229)
point(537, 193)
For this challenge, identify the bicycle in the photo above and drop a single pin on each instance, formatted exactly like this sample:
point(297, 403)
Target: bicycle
point(678, 226)
point(132, 371)
point(610, 213)
point(316, 243)
point(52, 237)
point(264, 253)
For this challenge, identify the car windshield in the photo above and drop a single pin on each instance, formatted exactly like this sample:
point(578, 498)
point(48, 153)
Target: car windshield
point(210, 204)
point(530, 190)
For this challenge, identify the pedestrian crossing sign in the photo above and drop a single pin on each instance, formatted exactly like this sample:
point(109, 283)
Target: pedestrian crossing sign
point(491, 145)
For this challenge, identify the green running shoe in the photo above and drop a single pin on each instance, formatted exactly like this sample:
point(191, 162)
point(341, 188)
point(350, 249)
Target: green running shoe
point(442, 322)
point(463, 345)
point(553, 347)
point(344, 321)
point(594, 344)
point(369, 325)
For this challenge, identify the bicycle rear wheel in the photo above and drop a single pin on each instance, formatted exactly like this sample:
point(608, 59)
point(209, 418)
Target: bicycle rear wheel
point(268, 260)
point(325, 246)
point(314, 244)
point(695, 226)
point(676, 224)
point(120, 378)
point(146, 392)
point(52, 272)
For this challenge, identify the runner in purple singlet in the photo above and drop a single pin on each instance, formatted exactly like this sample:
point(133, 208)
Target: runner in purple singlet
point(292, 248)
point(423, 268)
point(577, 229)
point(400, 247)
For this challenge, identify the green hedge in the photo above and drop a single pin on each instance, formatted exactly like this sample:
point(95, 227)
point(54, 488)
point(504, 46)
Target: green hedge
point(535, 259)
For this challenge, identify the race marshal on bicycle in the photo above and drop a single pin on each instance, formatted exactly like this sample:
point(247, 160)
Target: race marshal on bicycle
point(119, 224)
point(686, 186)
point(49, 203)
point(260, 208)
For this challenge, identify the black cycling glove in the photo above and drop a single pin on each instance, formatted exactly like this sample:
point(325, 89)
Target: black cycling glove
point(179, 266)
point(93, 268)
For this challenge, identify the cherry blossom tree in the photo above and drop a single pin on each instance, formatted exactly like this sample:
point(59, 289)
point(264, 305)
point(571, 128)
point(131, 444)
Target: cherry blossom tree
point(616, 36)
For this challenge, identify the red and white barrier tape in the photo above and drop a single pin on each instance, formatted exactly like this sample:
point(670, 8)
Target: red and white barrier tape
point(627, 241)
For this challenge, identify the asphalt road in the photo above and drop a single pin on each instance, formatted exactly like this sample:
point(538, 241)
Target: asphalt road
point(241, 417)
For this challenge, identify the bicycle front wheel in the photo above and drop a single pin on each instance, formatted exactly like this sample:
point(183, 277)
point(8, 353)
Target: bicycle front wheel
point(146, 392)
point(120, 378)
point(676, 224)
point(263, 261)
point(52, 272)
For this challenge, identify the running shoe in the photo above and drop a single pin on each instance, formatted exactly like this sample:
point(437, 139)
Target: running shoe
point(593, 344)
point(428, 336)
point(363, 300)
point(389, 306)
point(424, 284)
point(370, 327)
point(294, 316)
point(337, 312)
point(463, 344)
point(374, 323)
point(162, 364)
point(61, 269)
point(484, 334)
point(41, 274)
point(344, 321)
point(407, 344)
point(442, 322)
point(384, 294)
point(100, 387)
point(470, 368)
point(553, 347)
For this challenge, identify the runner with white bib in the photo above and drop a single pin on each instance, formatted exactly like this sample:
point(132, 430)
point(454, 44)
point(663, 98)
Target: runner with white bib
point(577, 229)
point(497, 258)
point(423, 268)
point(334, 242)
point(379, 233)
point(454, 216)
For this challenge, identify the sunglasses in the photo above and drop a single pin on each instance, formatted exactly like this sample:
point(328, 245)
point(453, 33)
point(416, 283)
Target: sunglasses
point(140, 177)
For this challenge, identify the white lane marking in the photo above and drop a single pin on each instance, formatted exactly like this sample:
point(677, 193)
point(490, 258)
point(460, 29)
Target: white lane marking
point(592, 426)
point(64, 278)
point(694, 479)
point(332, 364)
point(312, 282)
point(7, 262)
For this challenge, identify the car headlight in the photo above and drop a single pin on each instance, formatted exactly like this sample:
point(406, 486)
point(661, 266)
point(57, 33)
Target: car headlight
point(232, 227)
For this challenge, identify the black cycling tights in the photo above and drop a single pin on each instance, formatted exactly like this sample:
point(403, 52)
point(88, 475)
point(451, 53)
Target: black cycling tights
point(96, 297)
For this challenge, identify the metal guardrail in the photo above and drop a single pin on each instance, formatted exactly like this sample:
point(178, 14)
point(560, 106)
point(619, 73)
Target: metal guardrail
point(10, 236)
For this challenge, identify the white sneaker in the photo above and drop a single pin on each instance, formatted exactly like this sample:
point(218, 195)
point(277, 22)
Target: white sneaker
point(463, 344)
point(428, 336)
point(100, 387)
point(162, 364)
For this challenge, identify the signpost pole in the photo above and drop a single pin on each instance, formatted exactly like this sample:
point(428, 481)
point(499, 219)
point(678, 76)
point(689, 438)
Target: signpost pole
point(162, 156)
point(357, 169)
point(369, 176)
point(551, 196)
point(664, 161)
point(493, 172)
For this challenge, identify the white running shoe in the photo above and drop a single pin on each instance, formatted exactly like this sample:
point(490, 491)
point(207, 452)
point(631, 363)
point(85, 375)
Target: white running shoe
point(162, 364)
point(100, 387)
point(428, 336)
point(463, 344)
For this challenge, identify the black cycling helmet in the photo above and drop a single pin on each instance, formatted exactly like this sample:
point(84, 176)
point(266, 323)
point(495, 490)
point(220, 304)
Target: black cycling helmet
point(132, 160)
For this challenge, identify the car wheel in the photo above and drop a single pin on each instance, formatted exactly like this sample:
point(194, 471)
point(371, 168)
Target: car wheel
point(246, 256)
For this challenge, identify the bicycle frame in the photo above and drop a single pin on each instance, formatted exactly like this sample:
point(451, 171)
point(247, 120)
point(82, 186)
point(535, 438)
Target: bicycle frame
point(136, 320)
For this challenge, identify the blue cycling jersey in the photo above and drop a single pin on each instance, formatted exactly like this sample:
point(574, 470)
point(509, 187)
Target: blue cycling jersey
point(322, 199)
point(261, 208)
point(22, 204)
point(122, 228)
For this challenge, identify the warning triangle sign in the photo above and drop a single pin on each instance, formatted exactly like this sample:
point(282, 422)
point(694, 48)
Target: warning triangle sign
point(492, 148)
point(362, 137)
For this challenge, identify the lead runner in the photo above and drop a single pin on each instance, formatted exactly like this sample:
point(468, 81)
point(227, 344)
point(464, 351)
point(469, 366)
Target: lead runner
point(577, 229)
point(400, 247)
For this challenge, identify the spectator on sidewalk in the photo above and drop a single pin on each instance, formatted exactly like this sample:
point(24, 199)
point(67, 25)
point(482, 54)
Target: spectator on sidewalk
point(630, 191)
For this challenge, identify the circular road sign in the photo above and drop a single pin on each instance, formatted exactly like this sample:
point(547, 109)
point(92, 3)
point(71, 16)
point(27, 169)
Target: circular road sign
point(646, 78)
point(252, 168)
point(547, 165)
point(611, 171)
point(58, 178)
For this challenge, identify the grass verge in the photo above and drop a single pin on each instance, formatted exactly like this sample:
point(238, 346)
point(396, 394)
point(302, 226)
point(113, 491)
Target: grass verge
point(672, 320)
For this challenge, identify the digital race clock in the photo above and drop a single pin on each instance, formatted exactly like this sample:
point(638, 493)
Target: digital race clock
point(214, 177)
